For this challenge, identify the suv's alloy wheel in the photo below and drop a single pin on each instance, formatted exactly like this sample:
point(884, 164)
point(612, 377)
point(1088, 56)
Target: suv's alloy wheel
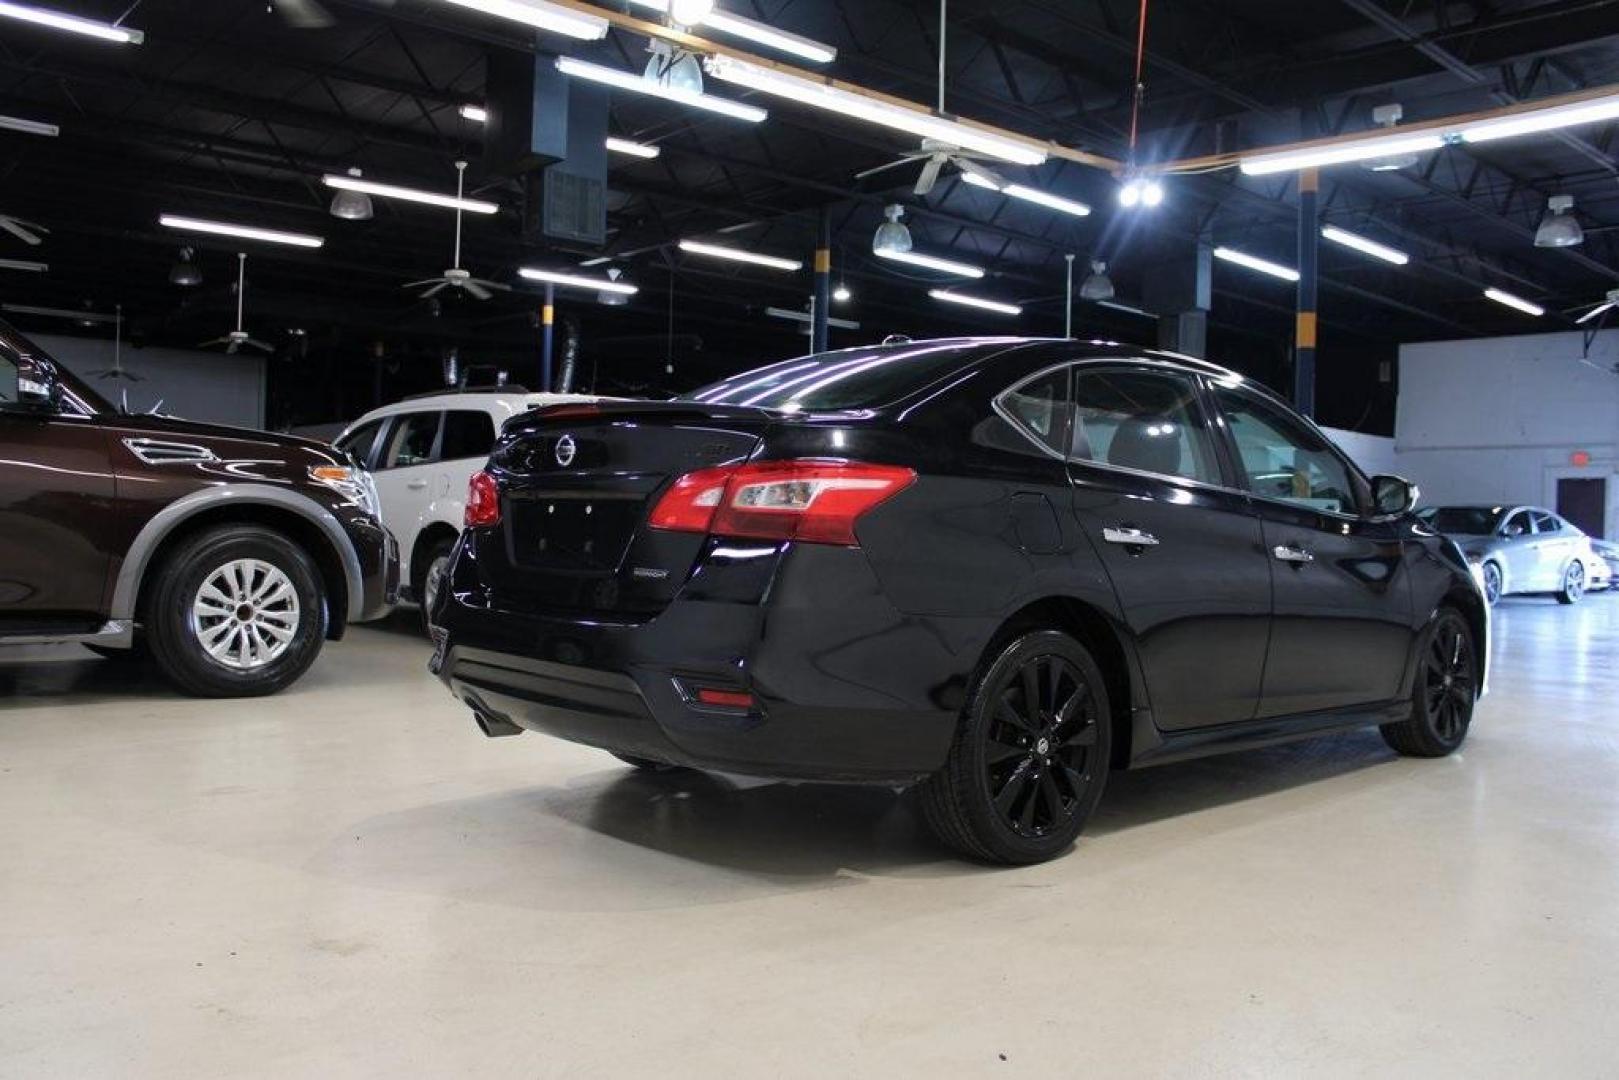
point(1031, 755)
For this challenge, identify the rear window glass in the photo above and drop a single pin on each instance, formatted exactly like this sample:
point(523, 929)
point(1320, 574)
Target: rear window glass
point(467, 434)
point(848, 379)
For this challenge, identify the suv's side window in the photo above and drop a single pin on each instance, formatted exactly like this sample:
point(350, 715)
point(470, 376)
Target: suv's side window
point(8, 379)
point(1286, 460)
point(1148, 421)
point(360, 442)
point(412, 442)
point(467, 434)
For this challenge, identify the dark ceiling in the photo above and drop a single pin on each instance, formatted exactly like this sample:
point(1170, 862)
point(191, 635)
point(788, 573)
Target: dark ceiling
point(227, 111)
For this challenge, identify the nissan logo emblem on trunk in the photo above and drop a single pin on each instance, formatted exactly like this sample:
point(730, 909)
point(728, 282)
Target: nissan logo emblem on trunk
point(566, 449)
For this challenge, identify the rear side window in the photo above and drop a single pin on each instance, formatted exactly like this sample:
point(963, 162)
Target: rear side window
point(467, 434)
point(413, 441)
point(1143, 420)
point(360, 442)
point(1040, 407)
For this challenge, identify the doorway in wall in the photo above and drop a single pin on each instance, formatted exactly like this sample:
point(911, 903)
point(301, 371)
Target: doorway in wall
point(1584, 501)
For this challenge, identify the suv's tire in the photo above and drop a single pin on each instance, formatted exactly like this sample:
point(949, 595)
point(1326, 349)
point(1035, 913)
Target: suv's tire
point(236, 611)
point(644, 764)
point(433, 561)
point(1573, 589)
point(1030, 757)
point(1444, 692)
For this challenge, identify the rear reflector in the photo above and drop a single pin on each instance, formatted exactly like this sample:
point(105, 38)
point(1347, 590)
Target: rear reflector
point(730, 699)
point(809, 500)
point(483, 502)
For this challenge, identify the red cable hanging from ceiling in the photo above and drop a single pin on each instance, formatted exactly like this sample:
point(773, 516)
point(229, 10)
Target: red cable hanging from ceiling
point(1141, 87)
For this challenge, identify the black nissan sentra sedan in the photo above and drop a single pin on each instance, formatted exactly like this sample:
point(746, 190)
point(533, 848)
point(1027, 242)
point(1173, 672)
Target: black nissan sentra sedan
point(995, 567)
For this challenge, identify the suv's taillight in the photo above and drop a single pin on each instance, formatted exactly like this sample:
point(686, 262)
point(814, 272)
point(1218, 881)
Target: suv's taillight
point(483, 501)
point(816, 501)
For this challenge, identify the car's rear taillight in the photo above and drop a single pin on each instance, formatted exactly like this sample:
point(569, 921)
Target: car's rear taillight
point(483, 501)
point(810, 500)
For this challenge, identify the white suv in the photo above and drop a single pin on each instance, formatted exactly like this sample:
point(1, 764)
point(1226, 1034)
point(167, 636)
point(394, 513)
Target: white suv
point(422, 452)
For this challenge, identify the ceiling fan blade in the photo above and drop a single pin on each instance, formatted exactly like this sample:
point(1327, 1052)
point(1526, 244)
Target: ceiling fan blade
point(304, 14)
point(22, 230)
point(419, 284)
point(1594, 312)
point(896, 163)
point(434, 291)
point(260, 345)
point(930, 174)
point(477, 291)
point(230, 350)
point(215, 341)
point(486, 283)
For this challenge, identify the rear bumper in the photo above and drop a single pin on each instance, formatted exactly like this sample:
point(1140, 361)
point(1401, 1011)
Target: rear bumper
point(846, 688)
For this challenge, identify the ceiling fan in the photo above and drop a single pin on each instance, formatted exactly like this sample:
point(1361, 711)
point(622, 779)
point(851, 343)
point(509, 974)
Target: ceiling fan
point(937, 154)
point(28, 232)
point(238, 337)
point(457, 277)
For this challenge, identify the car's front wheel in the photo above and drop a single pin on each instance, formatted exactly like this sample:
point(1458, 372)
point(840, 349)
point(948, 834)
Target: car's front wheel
point(1030, 756)
point(1444, 694)
point(1573, 589)
point(1492, 582)
point(236, 611)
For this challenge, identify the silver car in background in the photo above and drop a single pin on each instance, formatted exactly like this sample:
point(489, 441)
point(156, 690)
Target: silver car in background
point(1522, 549)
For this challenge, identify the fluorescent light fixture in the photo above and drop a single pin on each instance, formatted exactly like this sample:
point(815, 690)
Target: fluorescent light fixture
point(816, 52)
point(633, 149)
point(1516, 302)
point(1550, 119)
point(974, 301)
point(24, 264)
point(1340, 153)
point(241, 232)
point(847, 103)
point(28, 127)
point(542, 15)
point(578, 281)
point(391, 191)
point(1254, 262)
point(932, 262)
point(1029, 194)
point(1126, 308)
point(476, 113)
point(738, 255)
point(804, 317)
point(73, 24)
point(629, 80)
point(1365, 246)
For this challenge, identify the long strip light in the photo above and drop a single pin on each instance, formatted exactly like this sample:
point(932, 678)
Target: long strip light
point(1500, 296)
point(28, 127)
point(24, 264)
point(738, 255)
point(633, 149)
point(846, 103)
point(1029, 194)
point(579, 281)
point(1126, 308)
point(816, 52)
point(392, 191)
point(932, 262)
point(476, 113)
point(1365, 246)
point(241, 232)
point(952, 297)
point(542, 16)
point(73, 24)
point(1548, 119)
point(1254, 262)
point(1340, 153)
point(628, 80)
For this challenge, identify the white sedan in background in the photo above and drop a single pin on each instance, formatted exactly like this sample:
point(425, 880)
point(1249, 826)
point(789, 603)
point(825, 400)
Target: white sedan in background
point(422, 451)
point(1522, 549)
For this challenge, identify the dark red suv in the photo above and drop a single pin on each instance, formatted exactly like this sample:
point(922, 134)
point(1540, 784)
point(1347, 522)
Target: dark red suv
point(229, 555)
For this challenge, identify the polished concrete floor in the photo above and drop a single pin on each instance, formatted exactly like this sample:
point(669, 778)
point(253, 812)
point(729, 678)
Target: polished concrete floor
point(348, 880)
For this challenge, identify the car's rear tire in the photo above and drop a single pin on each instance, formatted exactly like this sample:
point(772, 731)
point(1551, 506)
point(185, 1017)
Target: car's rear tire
point(1031, 754)
point(644, 764)
point(1573, 589)
point(434, 561)
point(1444, 692)
point(236, 611)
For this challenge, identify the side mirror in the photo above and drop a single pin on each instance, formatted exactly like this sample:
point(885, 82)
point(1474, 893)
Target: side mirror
point(37, 385)
point(1393, 496)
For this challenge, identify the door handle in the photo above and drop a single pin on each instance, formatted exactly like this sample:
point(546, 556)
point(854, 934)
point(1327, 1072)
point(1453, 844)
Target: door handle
point(417, 485)
point(1118, 534)
point(1289, 553)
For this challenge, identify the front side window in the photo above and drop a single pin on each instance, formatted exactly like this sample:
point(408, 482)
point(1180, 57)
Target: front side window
point(1148, 421)
point(1517, 524)
point(359, 442)
point(412, 441)
point(1286, 460)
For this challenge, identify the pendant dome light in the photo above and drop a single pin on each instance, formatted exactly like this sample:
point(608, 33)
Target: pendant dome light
point(892, 235)
point(1559, 229)
point(1097, 286)
point(186, 273)
point(352, 205)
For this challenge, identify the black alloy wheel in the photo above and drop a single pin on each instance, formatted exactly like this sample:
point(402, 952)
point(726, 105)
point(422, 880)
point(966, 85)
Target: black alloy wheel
point(1445, 692)
point(1031, 756)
